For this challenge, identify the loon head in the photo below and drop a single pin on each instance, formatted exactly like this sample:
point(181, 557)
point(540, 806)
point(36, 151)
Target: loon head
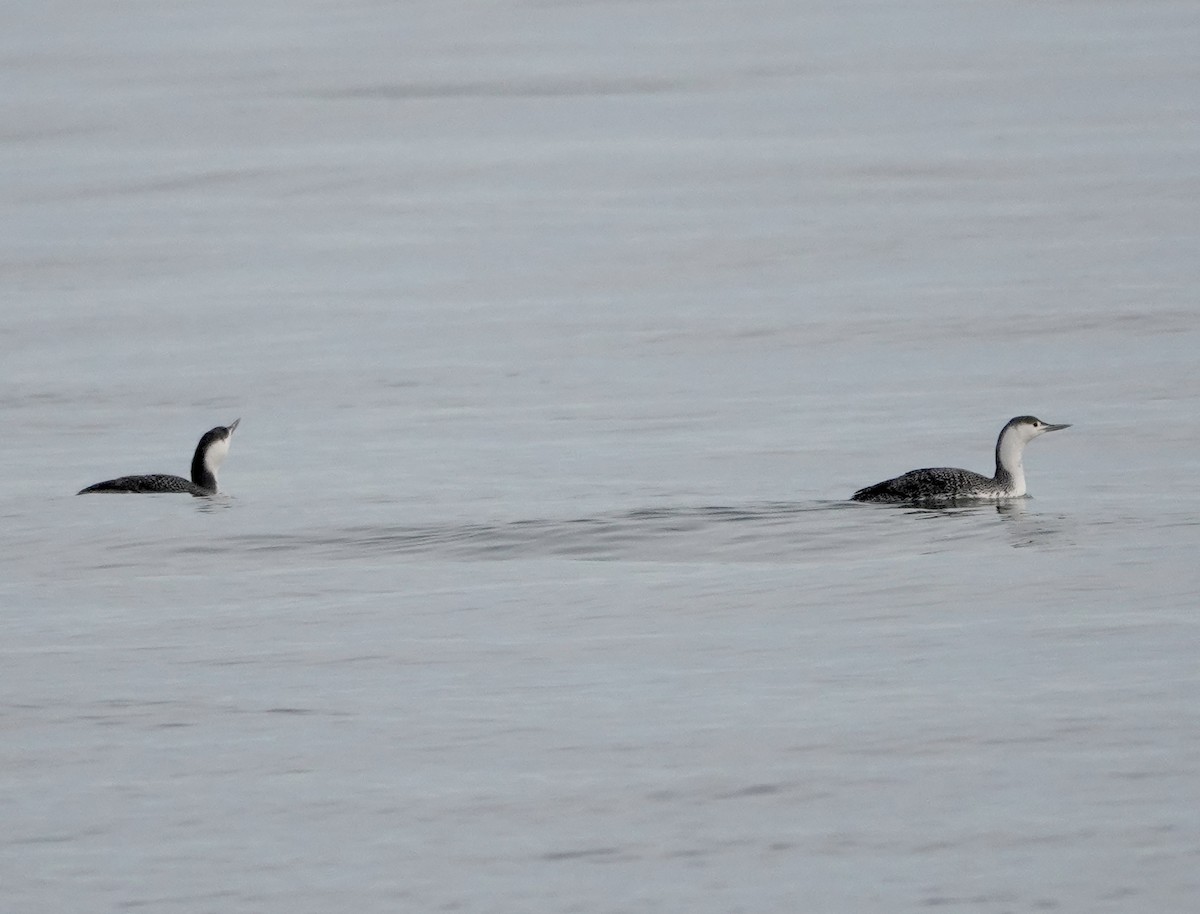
point(1010, 447)
point(1026, 428)
point(215, 445)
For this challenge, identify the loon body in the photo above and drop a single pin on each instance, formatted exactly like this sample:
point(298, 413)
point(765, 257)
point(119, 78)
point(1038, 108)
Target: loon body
point(950, 484)
point(210, 453)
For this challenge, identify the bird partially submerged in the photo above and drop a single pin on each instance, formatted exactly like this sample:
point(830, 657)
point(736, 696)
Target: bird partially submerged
point(210, 454)
point(946, 484)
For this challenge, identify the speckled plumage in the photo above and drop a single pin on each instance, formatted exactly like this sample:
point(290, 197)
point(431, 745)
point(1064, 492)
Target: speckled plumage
point(931, 483)
point(951, 484)
point(210, 452)
point(148, 483)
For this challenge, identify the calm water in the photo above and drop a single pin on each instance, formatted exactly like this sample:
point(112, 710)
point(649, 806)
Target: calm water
point(560, 334)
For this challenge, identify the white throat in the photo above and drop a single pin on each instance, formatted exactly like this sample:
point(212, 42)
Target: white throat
point(1009, 451)
point(215, 455)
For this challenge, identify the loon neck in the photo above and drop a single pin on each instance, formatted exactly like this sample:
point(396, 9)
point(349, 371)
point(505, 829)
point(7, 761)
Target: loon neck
point(210, 452)
point(203, 475)
point(1010, 472)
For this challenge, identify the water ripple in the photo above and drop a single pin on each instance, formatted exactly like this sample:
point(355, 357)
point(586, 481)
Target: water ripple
point(773, 531)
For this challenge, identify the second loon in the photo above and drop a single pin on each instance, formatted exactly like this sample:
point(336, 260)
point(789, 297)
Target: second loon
point(950, 484)
point(210, 453)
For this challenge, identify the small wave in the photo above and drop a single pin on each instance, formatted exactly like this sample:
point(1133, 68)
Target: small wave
point(762, 532)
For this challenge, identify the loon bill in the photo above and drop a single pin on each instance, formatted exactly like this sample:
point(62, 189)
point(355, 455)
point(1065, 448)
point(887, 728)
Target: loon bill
point(210, 453)
point(949, 483)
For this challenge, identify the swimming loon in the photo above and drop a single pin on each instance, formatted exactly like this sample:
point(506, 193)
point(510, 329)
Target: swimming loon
point(210, 452)
point(948, 484)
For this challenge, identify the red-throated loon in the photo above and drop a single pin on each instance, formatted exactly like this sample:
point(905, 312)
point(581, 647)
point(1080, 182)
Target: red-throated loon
point(210, 452)
point(949, 484)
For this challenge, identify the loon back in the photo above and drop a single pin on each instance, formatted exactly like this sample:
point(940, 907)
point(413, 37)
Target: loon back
point(930, 484)
point(148, 483)
point(210, 453)
point(950, 483)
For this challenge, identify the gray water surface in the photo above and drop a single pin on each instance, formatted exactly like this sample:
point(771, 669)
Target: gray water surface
point(560, 334)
